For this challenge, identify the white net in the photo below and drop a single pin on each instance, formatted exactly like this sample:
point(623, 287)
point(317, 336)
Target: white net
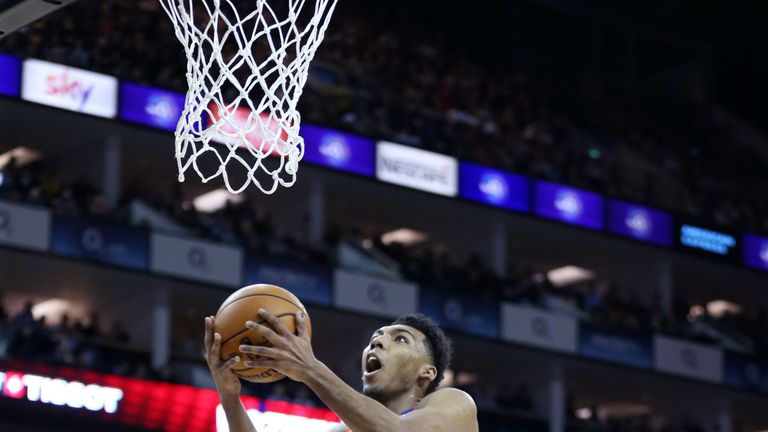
point(247, 63)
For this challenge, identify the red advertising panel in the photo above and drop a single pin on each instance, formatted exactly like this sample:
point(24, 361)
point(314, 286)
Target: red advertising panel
point(263, 133)
point(150, 404)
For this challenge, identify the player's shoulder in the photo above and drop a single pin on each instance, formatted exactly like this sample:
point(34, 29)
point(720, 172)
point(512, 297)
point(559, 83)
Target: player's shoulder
point(450, 409)
point(449, 396)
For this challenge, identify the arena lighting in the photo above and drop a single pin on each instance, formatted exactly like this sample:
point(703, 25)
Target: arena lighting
point(466, 378)
point(718, 308)
point(451, 378)
point(404, 236)
point(695, 311)
point(23, 156)
point(215, 200)
point(51, 307)
point(583, 413)
point(569, 275)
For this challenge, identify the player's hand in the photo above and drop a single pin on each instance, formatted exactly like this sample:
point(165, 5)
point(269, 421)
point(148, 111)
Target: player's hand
point(227, 383)
point(289, 354)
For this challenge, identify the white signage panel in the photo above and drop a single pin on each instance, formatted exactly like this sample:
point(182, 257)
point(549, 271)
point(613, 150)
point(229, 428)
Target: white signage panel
point(69, 88)
point(688, 359)
point(538, 328)
point(24, 227)
point(417, 169)
point(374, 296)
point(196, 260)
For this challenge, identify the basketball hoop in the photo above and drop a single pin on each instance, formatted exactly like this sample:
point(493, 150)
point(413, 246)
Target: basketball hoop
point(246, 69)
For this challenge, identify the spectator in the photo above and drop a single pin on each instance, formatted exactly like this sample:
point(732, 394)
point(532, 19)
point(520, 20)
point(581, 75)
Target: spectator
point(118, 333)
point(93, 329)
point(25, 318)
point(64, 324)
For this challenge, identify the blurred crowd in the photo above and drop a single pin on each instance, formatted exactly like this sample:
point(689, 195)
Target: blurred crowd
point(249, 226)
point(380, 75)
point(238, 224)
point(73, 342)
point(594, 300)
point(637, 424)
point(85, 345)
point(39, 183)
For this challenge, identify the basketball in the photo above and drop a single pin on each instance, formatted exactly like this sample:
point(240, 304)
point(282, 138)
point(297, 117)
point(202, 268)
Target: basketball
point(243, 305)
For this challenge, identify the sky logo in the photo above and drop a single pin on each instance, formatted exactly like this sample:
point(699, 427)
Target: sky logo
point(639, 222)
point(569, 204)
point(61, 85)
point(162, 108)
point(335, 150)
point(494, 187)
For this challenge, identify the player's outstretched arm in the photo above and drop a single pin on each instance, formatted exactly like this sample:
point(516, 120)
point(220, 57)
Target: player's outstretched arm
point(227, 383)
point(293, 356)
point(447, 410)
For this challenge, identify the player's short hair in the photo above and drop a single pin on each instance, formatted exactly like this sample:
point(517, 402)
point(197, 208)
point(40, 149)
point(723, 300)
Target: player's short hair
point(438, 345)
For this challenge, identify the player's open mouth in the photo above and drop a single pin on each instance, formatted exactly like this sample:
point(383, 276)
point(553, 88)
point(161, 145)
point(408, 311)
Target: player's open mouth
point(372, 365)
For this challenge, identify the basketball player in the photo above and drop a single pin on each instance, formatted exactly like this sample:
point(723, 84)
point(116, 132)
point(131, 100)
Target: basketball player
point(402, 367)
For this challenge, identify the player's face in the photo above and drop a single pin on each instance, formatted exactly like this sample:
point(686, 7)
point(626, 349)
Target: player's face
point(392, 361)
